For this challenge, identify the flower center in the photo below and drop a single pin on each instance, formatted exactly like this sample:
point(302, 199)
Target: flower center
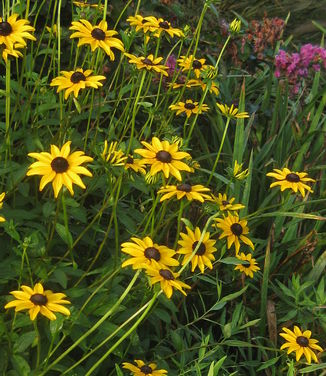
point(201, 250)
point(164, 156)
point(184, 187)
point(59, 165)
point(5, 28)
point(190, 106)
point(237, 229)
point(197, 64)
point(152, 253)
point(39, 299)
point(164, 25)
point(181, 80)
point(146, 61)
point(146, 369)
point(166, 274)
point(292, 178)
point(302, 341)
point(98, 34)
point(76, 77)
point(130, 159)
point(224, 203)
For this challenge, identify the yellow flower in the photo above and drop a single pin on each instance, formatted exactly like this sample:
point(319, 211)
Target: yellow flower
point(301, 343)
point(143, 369)
point(13, 32)
point(192, 192)
point(113, 156)
point(96, 36)
point(144, 251)
point(136, 165)
point(237, 171)
point(204, 254)
point(189, 108)
point(163, 156)
point(73, 81)
point(149, 63)
point(198, 65)
point(235, 26)
point(2, 196)
point(86, 5)
point(231, 112)
point(181, 82)
point(37, 301)
point(160, 26)
point(234, 229)
point(60, 167)
point(14, 53)
point(140, 23)
point(247, 269)
point(291, 180)
point(167, 279)
point(226, 204)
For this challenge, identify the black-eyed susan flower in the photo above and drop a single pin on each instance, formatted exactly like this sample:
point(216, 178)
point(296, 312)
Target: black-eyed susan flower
point(234, 230)
point(149, 63)
point(145, 252)
point(238, 173)
point(2, 196)
point(197, 65)
point(135, 164)
point(113, 156)
point(288, 179)
point(301, 343)
point(197, 82)
point(140, 23)
point(204, 255)
point(248, 269)
point(167, 278)
point(226, 203)
point(160, 26)
point(140, 368)
point(15, 53)
point(189, 107)
point(231, 112)
point(97, 36)
point(13, 32)
point(163, 156)
point(60, 167)
point(37, 300)
point(74, 81)
point(191, 192)
point(84, 4)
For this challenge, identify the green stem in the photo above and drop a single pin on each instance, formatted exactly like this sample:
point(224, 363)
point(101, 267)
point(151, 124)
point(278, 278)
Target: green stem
point(7, 137)
point(38, 347)
point(65, 219)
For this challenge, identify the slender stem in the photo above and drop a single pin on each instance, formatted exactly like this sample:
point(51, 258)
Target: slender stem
point(38, 347)
point(7, 111)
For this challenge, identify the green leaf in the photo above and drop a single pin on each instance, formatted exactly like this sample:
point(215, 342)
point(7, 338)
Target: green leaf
point(64, 235)
point(20, 365)
point(268, 363)
point(313, 368)
point(24, 341)
point(60, 277)
point(118, 370)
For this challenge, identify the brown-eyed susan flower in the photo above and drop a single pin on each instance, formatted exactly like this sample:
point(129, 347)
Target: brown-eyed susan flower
point(96, 36)
point(301, 343)
point(143, 369)
point(150, 63)
point(238, 173)
point(135, 164)
point(60, 167)
point(191, 192)
point(167, 278)
point(189, 107)
point(231, 112)
point(163, 156)
point(234, 230)
point(13, 32)
point(140, 23)
point(160, 26)
point(2, 196)
point(197, 65)
point(145, 252)
point(74, 81)
point(226, 204)
point(37, 300)
point(113, 156)
point(204, 254)
point(288, 179)
point(248, 269)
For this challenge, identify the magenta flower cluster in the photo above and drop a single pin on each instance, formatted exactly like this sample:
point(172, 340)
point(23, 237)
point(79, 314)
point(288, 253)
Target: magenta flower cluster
point(296, 66)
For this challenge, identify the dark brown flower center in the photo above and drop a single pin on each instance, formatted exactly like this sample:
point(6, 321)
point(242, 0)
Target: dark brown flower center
point(164, 156)
point(164, 25)
point(190, 106)
point(184, 187)
point(5, 28)
point(197, 64)
point(76, 77)
point(237, 229)
point(146, 369)
point(201, 250)
point(166, 274)
point(130, 159)
point(38, 299)
point(224, 203)
point(152, 253)
point(146, 61)
point(292, 178)
point(59, 165)
point(98, 34)
point(302, 341)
